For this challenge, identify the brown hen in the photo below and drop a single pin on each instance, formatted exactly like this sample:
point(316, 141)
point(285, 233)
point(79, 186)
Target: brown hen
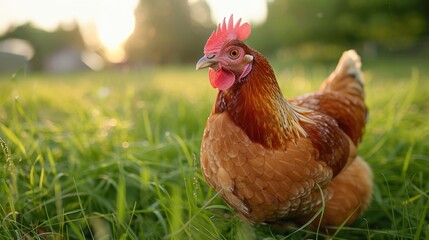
point(274, 159)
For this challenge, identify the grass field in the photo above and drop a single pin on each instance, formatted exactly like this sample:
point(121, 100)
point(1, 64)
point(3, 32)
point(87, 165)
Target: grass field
point(115, 155)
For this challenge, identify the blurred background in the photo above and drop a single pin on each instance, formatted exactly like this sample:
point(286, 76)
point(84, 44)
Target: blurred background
point(65, 36)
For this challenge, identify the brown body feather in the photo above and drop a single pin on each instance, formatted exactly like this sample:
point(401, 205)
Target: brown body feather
point(270, 156)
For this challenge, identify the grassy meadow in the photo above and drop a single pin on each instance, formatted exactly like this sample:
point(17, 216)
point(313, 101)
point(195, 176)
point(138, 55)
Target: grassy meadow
point(115, 154)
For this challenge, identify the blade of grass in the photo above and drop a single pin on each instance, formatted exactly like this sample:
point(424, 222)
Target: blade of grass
point(82, 209)
point(13, 138)
point(10, 200)
point(407, 160)
point(205, 206)
point(148, 127)
point(176, 213)
point(5, 149)
point(422, 221)
point(392, 209)
point(121, 201)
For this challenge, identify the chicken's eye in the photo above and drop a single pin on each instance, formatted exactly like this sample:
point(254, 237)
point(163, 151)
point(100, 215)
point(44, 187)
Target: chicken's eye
point(234, 53)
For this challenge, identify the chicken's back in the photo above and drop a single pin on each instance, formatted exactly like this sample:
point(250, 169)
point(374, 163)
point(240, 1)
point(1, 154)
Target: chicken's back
point(341, 97)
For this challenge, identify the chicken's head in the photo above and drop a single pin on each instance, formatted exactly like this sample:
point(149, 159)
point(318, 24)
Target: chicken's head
point(226, 55)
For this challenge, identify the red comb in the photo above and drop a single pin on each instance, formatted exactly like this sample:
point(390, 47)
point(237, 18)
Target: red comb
point(226, 33)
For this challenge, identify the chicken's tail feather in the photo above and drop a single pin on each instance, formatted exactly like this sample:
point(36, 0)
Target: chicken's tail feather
point(347, 76)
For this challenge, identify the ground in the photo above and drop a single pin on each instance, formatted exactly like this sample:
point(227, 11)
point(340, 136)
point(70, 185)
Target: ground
point(116, 154)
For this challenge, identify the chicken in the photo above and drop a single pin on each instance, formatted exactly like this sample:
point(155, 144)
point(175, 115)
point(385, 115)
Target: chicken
point(275, 160)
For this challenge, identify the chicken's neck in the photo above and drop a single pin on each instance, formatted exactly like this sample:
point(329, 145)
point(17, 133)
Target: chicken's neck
point(258, 107)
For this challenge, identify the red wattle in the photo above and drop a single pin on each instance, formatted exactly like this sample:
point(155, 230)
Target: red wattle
point(221, 79)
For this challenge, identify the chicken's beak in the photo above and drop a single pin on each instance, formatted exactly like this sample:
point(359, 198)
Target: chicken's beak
point(205, 62)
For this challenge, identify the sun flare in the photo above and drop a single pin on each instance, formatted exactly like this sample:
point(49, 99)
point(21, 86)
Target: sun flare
point(113, 32)
point(113, 27)
point(255, 11)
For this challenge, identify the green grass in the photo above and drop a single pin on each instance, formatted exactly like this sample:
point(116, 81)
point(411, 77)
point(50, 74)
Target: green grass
point(116, 155)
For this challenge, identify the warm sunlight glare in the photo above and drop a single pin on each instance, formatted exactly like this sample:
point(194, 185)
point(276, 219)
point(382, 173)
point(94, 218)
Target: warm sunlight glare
point(254, 11)
point(113, 28)
point(105, 22)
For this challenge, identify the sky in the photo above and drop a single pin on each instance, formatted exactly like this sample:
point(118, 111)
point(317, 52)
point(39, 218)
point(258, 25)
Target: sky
point(108, 22)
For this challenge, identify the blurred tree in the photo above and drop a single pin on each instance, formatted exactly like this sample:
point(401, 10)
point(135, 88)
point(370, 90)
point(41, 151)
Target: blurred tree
point(46, 43)
point(166, 33)
point(390, 26)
